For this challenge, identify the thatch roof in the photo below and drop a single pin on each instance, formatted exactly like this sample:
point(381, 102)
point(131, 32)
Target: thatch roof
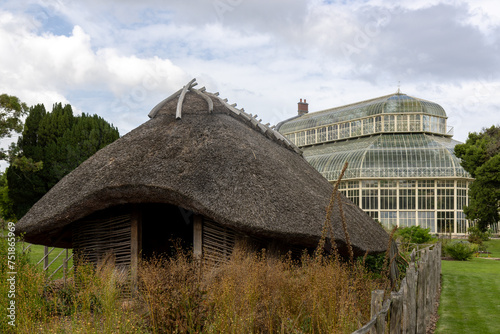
point(222, 164)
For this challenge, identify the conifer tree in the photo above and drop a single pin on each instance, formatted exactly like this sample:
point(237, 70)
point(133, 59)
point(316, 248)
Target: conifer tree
point(52, 145)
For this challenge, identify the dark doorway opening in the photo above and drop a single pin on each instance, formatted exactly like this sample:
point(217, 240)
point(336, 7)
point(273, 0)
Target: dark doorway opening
point(165, 227)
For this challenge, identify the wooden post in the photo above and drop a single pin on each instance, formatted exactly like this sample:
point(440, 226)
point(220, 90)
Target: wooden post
point(380, 325)
point(421, 298)
point(432, 280)
point(395, 326)
point(428, 288)
point(135, 246)
point(404, 315)
point(376, 306)
point(65, 267)
point(197, 236)
point(411, 285)
point(46, 259)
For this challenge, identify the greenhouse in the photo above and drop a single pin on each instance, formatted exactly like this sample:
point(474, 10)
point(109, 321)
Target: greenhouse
point(402, 169)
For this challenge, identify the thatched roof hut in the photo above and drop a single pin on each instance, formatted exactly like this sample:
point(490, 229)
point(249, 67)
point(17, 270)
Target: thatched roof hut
point(201, 171)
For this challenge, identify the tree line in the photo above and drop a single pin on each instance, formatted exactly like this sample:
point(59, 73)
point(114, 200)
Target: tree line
point(50, 145)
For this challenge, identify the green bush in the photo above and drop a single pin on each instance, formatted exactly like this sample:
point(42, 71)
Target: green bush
point(374, 263)
point(477, 236)
point(414, 235)
point(460, 249)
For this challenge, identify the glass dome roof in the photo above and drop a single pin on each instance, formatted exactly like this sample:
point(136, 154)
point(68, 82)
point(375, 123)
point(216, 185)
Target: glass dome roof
point(391, 104)
point(388, 156)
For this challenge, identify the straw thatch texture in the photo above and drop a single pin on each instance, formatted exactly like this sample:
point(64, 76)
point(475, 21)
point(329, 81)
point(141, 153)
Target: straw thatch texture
point(214, 164)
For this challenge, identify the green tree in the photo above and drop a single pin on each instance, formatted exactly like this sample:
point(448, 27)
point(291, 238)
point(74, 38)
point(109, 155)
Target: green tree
point(11, 112)
point(52, 145)
point(6, 205)
point(481, 158)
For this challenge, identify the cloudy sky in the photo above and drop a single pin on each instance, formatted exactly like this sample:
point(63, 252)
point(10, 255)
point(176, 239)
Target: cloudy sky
point(119, 58)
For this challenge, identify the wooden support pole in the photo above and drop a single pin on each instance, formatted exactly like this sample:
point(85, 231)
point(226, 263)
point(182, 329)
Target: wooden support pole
point(197, 236)
point(135, 246)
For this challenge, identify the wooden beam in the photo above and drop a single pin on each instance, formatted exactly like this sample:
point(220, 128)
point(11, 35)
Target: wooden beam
point(205, 97)
point(135, 246)
point(178, 112)
point(197, 236)
point(157, 108)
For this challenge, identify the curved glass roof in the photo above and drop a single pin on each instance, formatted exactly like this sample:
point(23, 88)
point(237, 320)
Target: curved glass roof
point(391, 104)
point(388, 156)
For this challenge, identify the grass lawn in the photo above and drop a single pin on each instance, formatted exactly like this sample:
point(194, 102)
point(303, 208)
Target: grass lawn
point(493, 246)
point(470, 296)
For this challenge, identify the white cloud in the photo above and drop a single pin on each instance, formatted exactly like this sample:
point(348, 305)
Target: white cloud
point(119, 58)
point(46, 68)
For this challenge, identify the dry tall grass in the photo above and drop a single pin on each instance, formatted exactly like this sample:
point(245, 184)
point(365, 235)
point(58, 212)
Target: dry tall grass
point(252, 293)
point(255, 293)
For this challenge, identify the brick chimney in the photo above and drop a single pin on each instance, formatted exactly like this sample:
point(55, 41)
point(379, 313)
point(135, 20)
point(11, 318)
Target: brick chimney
point(303, 107)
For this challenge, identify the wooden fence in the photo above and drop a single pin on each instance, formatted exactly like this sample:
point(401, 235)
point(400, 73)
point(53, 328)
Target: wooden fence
point(49, 260)
point(408, 310)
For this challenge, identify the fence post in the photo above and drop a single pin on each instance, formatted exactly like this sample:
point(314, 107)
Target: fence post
point(410, 309)
point(405, 302)
point(46, 259)
point(65, 266)
point(380, 325)
point(411, 284)
point(421, 287)
point(433, 280)
point(428, 285)
point(376, 306)
point(395, 312)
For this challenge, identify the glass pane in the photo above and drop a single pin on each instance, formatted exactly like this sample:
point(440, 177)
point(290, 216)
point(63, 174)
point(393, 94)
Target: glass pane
point(445, 222)
point(407, 218)
point(321, 133)
point(389, 218)
point(427, 220)
point(370, 199)
point(402, 123)
point(389, 123)
point(368, 126)
point(426, 199)
point(388, 199)
point(407, 199)
point(333, 132)
point(311, 137)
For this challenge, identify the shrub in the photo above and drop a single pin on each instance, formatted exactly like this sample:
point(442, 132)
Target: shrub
point(375, 262)
point(414, 234)
point(460, 249)
point(477, 236)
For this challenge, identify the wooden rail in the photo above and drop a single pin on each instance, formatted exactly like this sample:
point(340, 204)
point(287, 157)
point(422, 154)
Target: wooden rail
point(408, 310)
point(66, 257)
